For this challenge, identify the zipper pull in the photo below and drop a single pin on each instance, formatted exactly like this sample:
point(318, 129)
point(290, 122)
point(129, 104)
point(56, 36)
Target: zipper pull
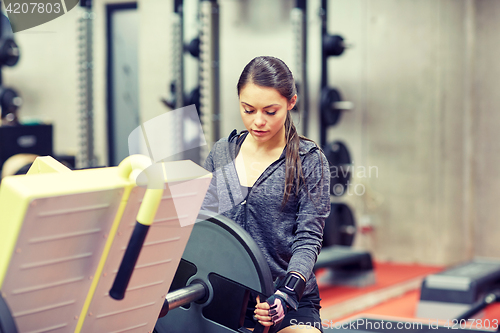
point(243, 202)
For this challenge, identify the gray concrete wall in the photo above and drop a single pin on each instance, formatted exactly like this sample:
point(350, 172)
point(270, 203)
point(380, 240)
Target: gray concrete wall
point(423, 76)
point(485, 123)
point(408, 85)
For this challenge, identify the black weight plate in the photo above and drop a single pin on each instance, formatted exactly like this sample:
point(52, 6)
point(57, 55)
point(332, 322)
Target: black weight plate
point(194, 98)
point(329, 115)
point(340, 226)
point(340, 163)
point(9, 53)
point(218, 247)
point(7, 101)
point(333, 45)
point(194, 47)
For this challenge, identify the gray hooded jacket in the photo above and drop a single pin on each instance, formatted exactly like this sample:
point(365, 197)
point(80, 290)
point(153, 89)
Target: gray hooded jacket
point(290, 237)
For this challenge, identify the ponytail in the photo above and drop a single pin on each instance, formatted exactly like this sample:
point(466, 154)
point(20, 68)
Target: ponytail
point(293, 166)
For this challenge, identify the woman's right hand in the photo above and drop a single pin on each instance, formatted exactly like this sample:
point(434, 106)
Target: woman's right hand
point(261, 313)
point(272, 311)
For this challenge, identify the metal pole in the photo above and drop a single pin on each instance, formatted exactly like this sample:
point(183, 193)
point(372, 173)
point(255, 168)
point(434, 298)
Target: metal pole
point(209, 72)
point(299, 24)
point(186, 295)
point(178, 53)
point(86, 154)
point(324, 68)
point(177, 142)
point(174, 299)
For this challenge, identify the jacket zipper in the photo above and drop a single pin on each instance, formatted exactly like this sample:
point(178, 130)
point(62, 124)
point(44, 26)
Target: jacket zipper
point(250, 191)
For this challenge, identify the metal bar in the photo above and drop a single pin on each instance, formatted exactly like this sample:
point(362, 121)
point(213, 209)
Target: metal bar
point(343, 105)
point(178, 6)
point(178, 56)
point(186, 295)
point(176, 141)
point(324, 31)
point(299, 24)
point(305, 90)
point(86, 152)
point(324, 68)
point(209, 72)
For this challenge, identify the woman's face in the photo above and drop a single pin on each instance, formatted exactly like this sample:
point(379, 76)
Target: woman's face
point(264, 111)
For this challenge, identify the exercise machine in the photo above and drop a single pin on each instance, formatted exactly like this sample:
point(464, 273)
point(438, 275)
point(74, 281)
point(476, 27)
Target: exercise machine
point(99, 250)
point(448, 294)
point(464, 322)
point(449, 300)
point(64, 234)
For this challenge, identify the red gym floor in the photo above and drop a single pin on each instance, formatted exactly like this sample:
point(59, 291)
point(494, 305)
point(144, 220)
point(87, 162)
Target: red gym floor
point(395, 294)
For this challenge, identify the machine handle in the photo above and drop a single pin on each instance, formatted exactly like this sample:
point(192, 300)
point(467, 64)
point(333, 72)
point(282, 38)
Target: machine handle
point(145, 217)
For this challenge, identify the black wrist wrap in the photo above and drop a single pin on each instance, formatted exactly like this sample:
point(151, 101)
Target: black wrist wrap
point(293, 286)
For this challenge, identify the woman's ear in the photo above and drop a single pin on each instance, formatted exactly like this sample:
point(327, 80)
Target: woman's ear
point(292, 102)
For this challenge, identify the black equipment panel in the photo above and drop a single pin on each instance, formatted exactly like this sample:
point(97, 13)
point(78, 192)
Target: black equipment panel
point(25, 139)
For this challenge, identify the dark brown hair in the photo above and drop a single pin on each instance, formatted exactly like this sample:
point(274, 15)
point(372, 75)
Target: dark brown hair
point(266, 71)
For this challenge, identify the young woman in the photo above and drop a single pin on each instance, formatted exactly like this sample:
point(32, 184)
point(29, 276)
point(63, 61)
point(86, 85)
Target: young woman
point(275, 184)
